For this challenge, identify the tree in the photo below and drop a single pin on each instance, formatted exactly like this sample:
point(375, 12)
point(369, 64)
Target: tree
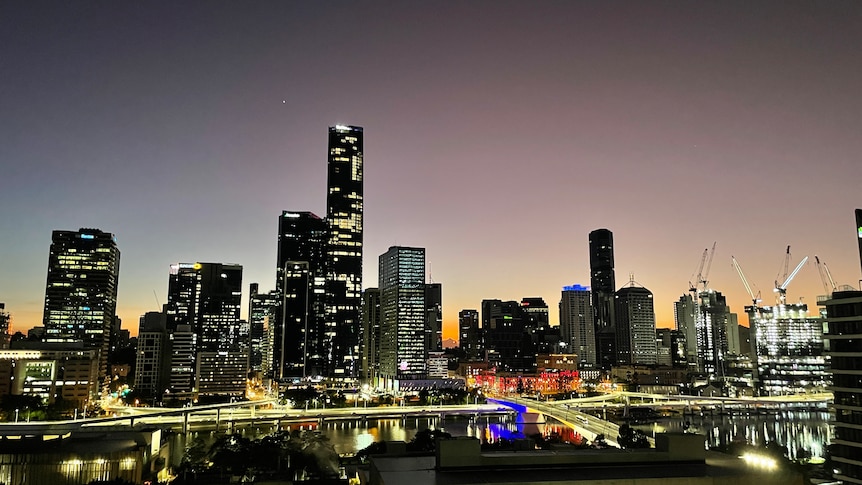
point(631, 438)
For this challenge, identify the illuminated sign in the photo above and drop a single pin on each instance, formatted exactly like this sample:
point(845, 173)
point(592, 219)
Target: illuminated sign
point(90, 236)
point(860, 232)
point(576, 288)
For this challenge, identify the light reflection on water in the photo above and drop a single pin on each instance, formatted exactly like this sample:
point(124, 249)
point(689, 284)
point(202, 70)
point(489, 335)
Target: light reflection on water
point(802, 433)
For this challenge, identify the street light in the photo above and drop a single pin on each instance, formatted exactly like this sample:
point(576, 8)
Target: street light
point(16, 415)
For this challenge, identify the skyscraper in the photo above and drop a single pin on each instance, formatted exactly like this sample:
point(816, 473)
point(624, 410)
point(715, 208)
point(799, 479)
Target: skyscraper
point(635, 325)
point(603, 283)
point(434, 317)
point(402, 313)
point(370, 368)
point(577, 324)
point(302, 337)
point(344, 247)
point(206, 298)
point(81, 290)
point(262, 308)
point(469, 334)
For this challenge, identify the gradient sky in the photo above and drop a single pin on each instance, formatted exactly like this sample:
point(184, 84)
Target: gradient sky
point(497, 136)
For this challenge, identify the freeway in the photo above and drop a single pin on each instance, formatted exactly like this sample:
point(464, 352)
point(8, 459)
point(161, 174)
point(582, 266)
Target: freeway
point(248, 413)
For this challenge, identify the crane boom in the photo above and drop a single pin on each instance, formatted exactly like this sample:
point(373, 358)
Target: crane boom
point(793, 274)
point(754, 299)
point(822, 274)
point(703, 279)
point(829, 275)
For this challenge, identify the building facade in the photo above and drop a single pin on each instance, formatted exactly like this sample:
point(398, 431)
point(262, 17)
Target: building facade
point(344, 217)
point(402, 315)
point(789, 355)
point(81, 290)
point(470, 334)
point(843, 338)
point(302, 339)
point(577, 324)
point(206, 298)
point(434, 317)
point(371, 316)
point(603, 285)
point(635, 326)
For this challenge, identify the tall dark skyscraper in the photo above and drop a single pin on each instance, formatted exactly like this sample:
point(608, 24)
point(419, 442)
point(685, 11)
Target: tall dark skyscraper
point(370, 334)
point(603, 287)
point(206, 298)
point(344, 247)
point(302, 338)
point(434, 317)
point(81, 290)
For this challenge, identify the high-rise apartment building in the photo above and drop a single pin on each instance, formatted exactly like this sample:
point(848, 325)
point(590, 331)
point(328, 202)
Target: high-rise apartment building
point(603, 284)
point(206, 297)
point(635, 325)
point(81, 290)
point(402, 315)
point(344, 215)
point(577, 324)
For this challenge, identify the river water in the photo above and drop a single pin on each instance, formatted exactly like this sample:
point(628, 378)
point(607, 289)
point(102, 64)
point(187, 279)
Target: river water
point(804, 434)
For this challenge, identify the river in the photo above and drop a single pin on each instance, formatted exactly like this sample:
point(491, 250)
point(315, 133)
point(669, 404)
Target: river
point(804, 434)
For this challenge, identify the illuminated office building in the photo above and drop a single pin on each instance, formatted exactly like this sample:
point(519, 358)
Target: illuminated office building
point(153, 355)
point(470, 334)
point(206, 297)
point(302, 338)
point(81, 290)
point(344, 215)
point(710, 329)
point(603, 284)
point(635, 326)
point(789, 349)
point(262, 308)
point(577, 324)
point(402, 315)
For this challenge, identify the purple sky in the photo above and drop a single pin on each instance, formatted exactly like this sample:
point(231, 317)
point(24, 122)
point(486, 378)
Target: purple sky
point(497, 136)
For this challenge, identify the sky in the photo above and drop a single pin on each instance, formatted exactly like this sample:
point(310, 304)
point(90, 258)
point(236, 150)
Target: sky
point(497, 136)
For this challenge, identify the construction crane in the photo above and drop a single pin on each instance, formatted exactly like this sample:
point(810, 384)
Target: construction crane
point(781, 289)
point(753, 312)
point(825, 276)
point(755, 299)
point(781, 276)
point(701, 278)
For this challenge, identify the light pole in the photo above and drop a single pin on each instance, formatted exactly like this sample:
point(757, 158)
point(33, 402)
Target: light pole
point(16, 415)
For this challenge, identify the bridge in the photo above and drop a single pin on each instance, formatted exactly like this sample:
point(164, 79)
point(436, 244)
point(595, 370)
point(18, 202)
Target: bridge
point(265, 412)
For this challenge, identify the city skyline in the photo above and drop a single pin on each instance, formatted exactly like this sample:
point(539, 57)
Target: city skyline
point(498, 153)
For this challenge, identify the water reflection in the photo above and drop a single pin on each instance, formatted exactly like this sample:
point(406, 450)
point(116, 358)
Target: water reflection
point(804, 434)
